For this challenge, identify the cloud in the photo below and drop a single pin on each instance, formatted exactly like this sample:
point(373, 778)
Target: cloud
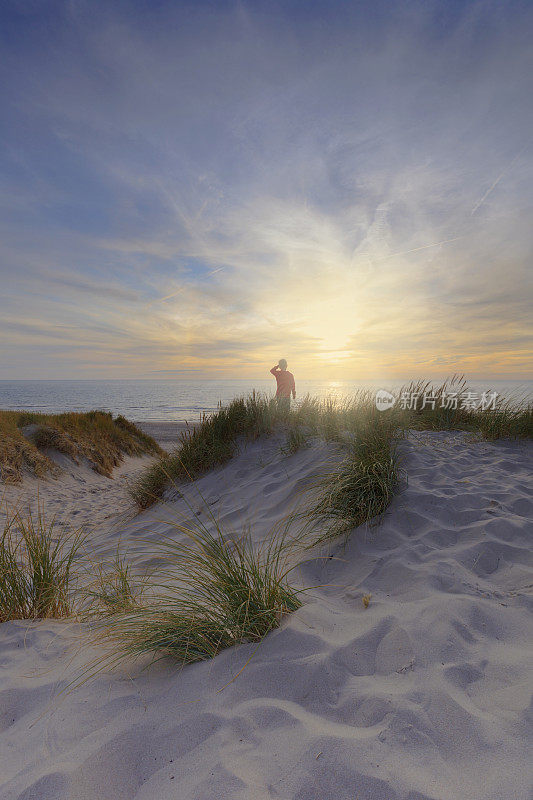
point(207, 188)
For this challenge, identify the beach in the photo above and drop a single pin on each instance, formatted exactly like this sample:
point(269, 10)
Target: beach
point(420, 692)
point(165, 433)
point(266, 401)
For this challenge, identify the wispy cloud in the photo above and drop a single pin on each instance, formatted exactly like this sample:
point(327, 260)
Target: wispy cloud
point(209, 189)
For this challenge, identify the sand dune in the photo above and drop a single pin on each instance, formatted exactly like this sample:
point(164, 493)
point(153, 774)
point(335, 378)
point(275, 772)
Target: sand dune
point(424, 695)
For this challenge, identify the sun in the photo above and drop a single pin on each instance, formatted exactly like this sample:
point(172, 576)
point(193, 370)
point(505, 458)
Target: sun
point(333, 324)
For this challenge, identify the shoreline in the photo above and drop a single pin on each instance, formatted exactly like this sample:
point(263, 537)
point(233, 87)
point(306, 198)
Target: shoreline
point(165, 433)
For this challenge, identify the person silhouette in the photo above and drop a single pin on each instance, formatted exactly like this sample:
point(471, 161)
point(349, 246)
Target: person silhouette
point(285, 385)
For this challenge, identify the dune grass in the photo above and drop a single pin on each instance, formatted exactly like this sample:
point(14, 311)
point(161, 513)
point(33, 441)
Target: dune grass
point(296, 440)
point(113, 589)
point(505, 419)
point(209, 444)
point(214, 440)
point(17, 454)
point(213, 592)
point(360, 487)
point(36, 567)
point(358, 491)
point(505, 422)
point(95, 436)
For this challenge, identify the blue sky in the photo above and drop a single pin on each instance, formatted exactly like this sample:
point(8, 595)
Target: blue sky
point(202, 188)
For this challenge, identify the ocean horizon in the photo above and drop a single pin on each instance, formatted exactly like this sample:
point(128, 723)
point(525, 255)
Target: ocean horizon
point(186, 400)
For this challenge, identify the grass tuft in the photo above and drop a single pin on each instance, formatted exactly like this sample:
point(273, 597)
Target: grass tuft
point(36, 567)
point(296, 440)
point(361, 488)
point(212, 593)
point(114, 589)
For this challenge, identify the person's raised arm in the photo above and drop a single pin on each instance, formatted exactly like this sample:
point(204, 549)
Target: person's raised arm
point(275, 369)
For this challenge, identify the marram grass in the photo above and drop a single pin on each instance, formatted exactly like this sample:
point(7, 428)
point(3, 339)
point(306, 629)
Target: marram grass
point(113, 588)
point(214, 440)
point(213, 592)
point(296, 440)
point(210, 444)
point(95, 436)
point(507, 419)
point(362, 486)
point(37, 567)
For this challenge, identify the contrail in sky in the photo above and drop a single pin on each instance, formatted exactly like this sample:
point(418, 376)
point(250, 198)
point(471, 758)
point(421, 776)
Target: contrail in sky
point(416, 249)
point(496, 182)
point(475, 208)
point(180, 290)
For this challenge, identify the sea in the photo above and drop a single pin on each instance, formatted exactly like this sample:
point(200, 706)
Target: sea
point(187, 400)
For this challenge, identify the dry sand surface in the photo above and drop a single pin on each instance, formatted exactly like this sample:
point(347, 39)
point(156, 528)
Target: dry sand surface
point(81, 497)
point(426, 694)
point(165, 433)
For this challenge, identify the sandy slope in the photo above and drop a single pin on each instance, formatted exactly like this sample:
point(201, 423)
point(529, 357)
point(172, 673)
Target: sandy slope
point(80, 497)
point(426, 694)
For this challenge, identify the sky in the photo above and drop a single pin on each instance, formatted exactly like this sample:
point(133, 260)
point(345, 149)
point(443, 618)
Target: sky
point(199, 189)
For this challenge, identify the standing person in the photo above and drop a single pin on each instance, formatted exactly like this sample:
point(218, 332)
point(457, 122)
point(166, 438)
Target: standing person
point(285, 384)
